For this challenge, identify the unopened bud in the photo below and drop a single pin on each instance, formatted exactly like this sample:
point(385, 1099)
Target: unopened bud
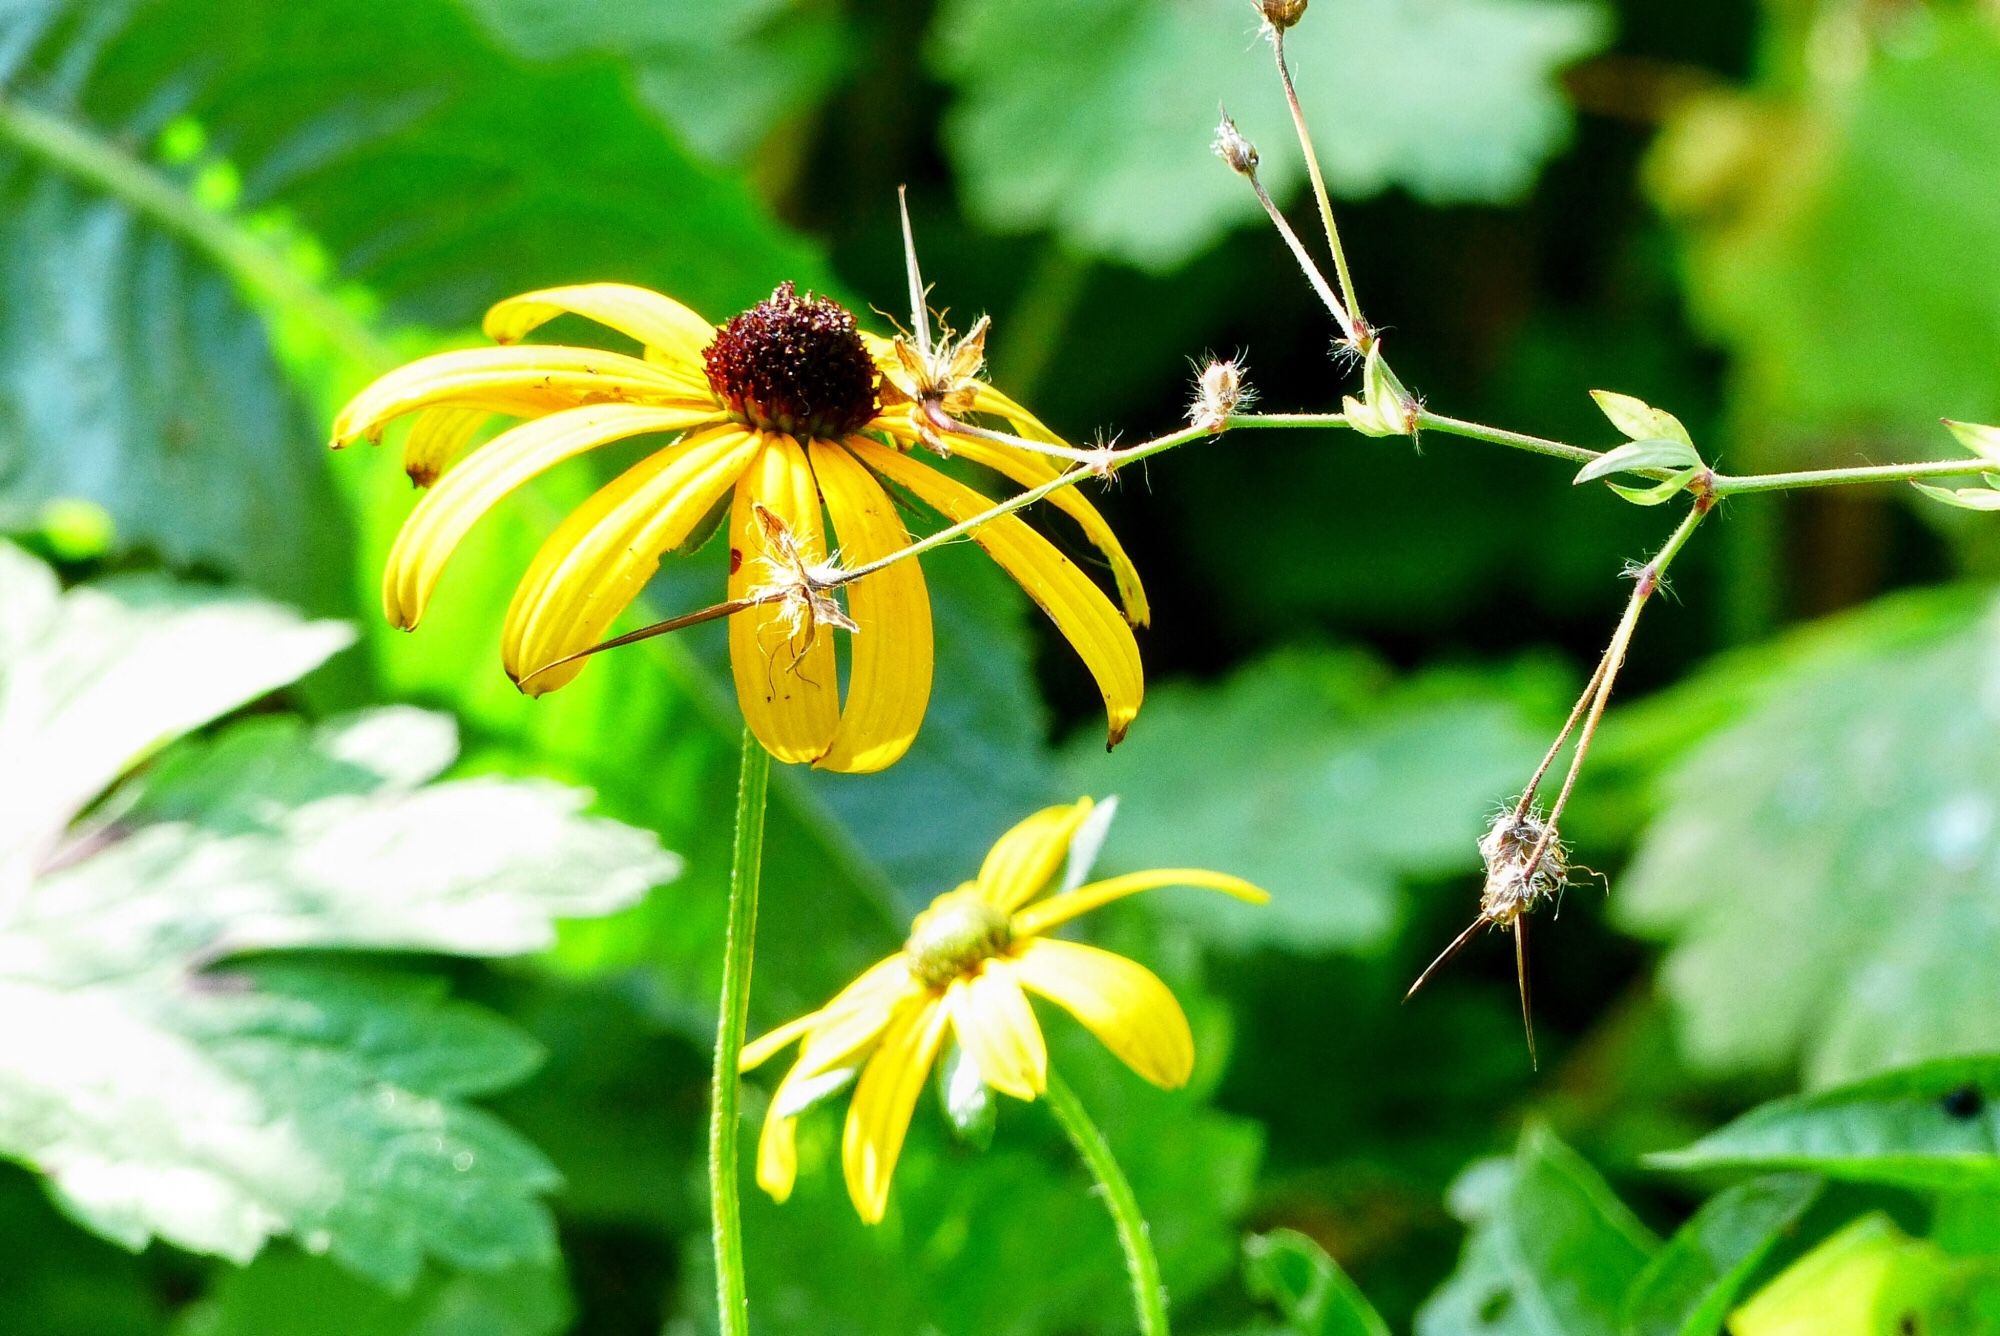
point(1234, 149)
point(1281, 14)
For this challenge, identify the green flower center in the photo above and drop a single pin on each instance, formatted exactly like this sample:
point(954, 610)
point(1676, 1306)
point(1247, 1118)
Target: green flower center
point(794, 364)
point(954, 935)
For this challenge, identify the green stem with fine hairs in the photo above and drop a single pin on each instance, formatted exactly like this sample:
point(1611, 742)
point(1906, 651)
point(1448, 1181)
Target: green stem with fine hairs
point(1149, 1293)
point(724, 1170)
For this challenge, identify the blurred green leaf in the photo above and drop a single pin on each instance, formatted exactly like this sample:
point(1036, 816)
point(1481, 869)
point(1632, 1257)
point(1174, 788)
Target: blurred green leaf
point(287, 1294)
point(1551, 1250)
point(1290, 1270)
point(1794, 204)
point(414, 158)
point(723, 76)
point(166, 1095)
point(1693, 1281)
point(1095, 120)
point(1318, 776)
point(1928, 1126)
point(1835, 842)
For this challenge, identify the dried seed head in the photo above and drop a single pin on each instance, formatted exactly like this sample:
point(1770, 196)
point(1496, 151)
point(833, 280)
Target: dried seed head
point(1281, 14)
point(794, 364)
point(1234, 149)
point(1219, 391)
point(798, 588)
point(1513, 886)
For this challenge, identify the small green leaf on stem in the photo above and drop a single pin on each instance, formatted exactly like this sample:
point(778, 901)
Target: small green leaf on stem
point(1661, 491)
point(1654, 452)
point(1982, 441)
point(1965, 498)
point(1639, 420)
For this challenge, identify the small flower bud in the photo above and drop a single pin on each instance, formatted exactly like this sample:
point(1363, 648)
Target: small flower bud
point(1234, 149)
point(1281, 14)
point(1219, 391)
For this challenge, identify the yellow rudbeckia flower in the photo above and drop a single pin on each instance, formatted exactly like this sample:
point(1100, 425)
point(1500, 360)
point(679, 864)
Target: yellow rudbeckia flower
point(790, 415)
point(971, 960)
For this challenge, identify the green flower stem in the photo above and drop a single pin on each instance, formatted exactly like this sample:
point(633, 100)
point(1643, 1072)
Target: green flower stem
point(1540, 445)
point(1727, 485)
point(1358, 332)
point(724, 1171)
point(1149, 1293)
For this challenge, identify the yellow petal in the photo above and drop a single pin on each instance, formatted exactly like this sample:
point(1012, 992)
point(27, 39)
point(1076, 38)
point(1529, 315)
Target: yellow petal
point(773, 1042)
point(996, 1028)
point(662, 324)
point(1022, 861)
point(1031, 470)
point(889, 658)
point(857, 1017)
point(878, 1119)
point(777, 1155)
point(435, 439)
point(449, 510)
point(1079, 608)
point(1124, 1004)
point(521, 382)
point(789, 688)
point(1037, 919)
point(986, 399)
point(598, 559)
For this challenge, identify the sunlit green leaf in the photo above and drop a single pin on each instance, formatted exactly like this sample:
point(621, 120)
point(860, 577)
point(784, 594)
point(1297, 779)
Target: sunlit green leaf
point(168, 1089)
point(1965, 498)
point(1655, 453)
point(1095, 120)
point(1868, 1280)
point(1835, 843)
point(1551, 1251)
point(1693, 1281)
point(287, 1294)
point(1639, 420)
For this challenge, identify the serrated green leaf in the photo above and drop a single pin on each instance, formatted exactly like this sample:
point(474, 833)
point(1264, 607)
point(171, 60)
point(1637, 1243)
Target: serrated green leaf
point(1635, 456)
point(1320, 778)
point(1691, 1283)
point(1551, 1251)
point(1638, 420)
point(1928, 1126)
point(1965, 498)
point(1291, 1271)
point(1095, 120)
point(167, 1093)
point(1834, 842)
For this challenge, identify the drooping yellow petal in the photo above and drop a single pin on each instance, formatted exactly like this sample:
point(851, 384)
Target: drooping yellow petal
point(878, 1119)
point(435, 439)
point(773, 1042)
point(521, 382)
point(599, 558)
point(786, 679)
point(1031, 470)
point(986, 399)
point(449, 510)
point(1079, 608)
point(1036, 919)
point(1124, 1004)
point(777, 1155)
point(996, 1028)
point(1022, 861)
point(889, 658)
point(662, 324)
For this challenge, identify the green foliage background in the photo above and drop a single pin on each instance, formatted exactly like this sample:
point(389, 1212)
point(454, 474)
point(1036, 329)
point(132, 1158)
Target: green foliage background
point(354, 1013)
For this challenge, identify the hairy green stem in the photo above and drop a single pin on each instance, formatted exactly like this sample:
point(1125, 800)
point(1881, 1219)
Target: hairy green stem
point(1357, 330)
point(1799, 479)
point(1149, 1292)
point(724, 1173)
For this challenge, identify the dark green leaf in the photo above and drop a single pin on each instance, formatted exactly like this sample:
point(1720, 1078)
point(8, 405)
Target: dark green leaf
point(1691, 1283)
point(1320, 778)
point(1934, 1125)
point(1290, 1270)
point(1551, 1250)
